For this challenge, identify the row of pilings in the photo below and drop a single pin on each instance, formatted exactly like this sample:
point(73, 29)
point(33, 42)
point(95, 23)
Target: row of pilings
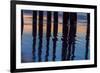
point(69, 30)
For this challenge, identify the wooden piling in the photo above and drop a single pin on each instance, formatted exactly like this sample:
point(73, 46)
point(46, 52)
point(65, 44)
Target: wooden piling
point(22, 22)
point(48, 33)
point(65, 35)
point(72, 33)
point(87, 35)
point(40, 35)
point(55, 31)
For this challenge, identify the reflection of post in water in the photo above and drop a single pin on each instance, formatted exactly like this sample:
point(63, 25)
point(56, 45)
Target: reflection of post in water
point(40, 35)
point(65, 35)
point(72, 33)
point(40, 50)
point(87, 35)
point(73, 50)
point(34, 33)
point(48, 34)
point(22, 22)
point(55, 31)
point(34, 45)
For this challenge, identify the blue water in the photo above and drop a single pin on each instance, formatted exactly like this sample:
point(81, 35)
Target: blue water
point(26, 48)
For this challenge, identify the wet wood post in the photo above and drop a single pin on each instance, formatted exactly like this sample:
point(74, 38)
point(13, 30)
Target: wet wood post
point(87, 35)
point(22, 22)
point(73, 22)
point(34, 24)
point(34, 32)
point(40, 35)
point(65, 35)
point(22, 26)
point(55, 31)
point(48, 33)
point(74, 36)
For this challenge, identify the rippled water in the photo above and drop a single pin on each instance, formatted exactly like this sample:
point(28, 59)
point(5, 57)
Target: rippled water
point(27, 47)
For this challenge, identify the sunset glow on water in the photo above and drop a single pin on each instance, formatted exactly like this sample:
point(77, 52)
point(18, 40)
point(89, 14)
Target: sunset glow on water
point(46, 52)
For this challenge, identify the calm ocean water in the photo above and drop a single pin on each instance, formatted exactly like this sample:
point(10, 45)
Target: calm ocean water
point(28, 56)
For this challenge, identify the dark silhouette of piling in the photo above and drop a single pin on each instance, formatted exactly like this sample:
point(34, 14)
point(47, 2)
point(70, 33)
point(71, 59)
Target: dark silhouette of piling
point(22, 26)
point(40, 24)
point(40, 35)
point(87, 35)
point(55, 26)
point(34, 21)
point(74, 36)
point(72, 33)
point(34, 32)
point(55, 31)
point(22, 22)
point(48, 34)
point(65, 35)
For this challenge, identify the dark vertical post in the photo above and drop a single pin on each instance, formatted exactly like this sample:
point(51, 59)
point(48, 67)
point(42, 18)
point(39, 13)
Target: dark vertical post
point(55, 31)
point(74, 36)
point(22, 28)
point(40, 34)
point(55, 28)
point(34, 23)
point(22, 22)
point(40, 24)
point(34, 32)
point(87, 35)
point(65, 35)
point(73, 22)
point(48, 33)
